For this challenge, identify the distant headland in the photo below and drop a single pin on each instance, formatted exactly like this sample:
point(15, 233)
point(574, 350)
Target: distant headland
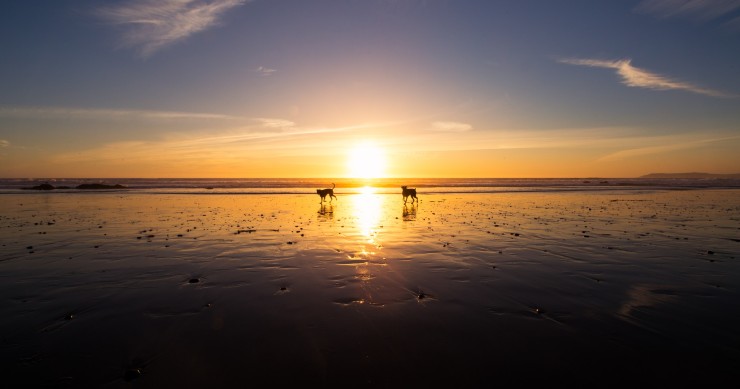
point(693, 175)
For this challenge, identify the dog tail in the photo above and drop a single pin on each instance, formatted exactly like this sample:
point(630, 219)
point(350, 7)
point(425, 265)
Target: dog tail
point(333, 186)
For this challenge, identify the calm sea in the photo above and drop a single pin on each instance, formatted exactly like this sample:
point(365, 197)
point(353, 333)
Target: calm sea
point(386, 185)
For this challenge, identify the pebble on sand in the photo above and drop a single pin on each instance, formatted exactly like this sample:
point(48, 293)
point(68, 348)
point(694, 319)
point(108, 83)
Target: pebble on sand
point(132, 374)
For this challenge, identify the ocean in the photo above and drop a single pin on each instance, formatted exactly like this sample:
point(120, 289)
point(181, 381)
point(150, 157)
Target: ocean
point(381, 186)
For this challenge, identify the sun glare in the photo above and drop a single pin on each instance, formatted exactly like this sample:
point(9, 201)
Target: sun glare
point(366, 161)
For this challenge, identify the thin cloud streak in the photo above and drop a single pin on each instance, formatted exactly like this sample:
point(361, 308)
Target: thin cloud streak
point(663, 147)
point(151, 25)
point(275, 123)
point(734, 24)
point(522, 139)
point(700, 9)
point(265, 71)
point(36, 112)
point(451, 127)
point(640, 78)
point(617, 142)
point(4, 143)
point(230, 146)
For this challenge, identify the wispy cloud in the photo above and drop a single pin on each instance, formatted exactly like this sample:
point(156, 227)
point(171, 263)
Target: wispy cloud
point(451, 126)
point(275, 123)
point(733, 24)
point(107, 113)
point(698, 9)
point(264, 71)
point(636, 77)
point(4, 143)
point(664, 145)
point(234, 145)
point(150, 25)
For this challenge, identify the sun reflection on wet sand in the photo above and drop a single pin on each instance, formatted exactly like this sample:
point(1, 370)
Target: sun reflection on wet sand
point(367, 208)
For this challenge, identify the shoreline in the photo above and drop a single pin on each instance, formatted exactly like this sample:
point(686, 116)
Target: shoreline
point(368, 189)
point(382, 184)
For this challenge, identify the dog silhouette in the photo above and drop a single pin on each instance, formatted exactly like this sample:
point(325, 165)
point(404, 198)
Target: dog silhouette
point(327, 192)
point(406, 191)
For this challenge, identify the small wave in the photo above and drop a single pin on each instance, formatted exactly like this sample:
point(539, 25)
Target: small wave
point(385, 185)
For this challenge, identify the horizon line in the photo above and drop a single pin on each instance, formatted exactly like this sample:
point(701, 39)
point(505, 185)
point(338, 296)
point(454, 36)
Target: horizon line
point(368, 179)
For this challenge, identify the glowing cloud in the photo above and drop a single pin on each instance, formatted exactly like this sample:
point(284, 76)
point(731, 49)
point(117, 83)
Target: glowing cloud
point(701, 9)
point(150, 25)
point(451, 127)
point(4, 143)
point(636, 77)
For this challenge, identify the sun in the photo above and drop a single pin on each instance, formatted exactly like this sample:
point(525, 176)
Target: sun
point(366, 160)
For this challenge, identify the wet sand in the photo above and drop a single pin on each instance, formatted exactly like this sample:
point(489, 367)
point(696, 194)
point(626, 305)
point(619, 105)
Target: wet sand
point(162, 290)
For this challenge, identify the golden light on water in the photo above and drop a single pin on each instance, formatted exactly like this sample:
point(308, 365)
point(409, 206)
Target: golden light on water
point(366, 160)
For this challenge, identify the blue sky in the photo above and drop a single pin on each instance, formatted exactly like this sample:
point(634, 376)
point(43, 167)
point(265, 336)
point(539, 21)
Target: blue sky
point(235, 88)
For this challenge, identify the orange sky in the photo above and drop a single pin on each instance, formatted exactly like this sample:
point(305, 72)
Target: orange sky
point(233, 88)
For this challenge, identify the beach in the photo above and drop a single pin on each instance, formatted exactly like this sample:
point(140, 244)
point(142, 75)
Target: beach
point(605, 288)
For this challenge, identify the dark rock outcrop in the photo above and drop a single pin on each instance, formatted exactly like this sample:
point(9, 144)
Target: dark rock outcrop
point(100, 186)
point(41, 187)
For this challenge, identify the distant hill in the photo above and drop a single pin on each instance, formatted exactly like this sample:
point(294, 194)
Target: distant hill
point(691, 175)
